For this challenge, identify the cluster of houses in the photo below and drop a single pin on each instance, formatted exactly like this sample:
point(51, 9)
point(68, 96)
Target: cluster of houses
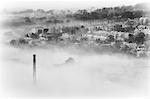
point(136, 43)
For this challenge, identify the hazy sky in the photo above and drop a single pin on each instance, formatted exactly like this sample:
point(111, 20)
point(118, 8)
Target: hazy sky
point(64, 4)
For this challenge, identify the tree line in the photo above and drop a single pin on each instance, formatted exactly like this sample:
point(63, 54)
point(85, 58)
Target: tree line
point(122, 12)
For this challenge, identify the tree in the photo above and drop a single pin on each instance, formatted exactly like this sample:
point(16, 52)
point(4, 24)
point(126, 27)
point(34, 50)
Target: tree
point(128, 14)
point(27, 19)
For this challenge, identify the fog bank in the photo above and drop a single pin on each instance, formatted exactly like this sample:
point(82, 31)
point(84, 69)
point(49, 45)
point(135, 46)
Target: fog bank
point(91, 74)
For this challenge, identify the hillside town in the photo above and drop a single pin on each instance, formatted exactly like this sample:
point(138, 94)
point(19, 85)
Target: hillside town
point(130, 37)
